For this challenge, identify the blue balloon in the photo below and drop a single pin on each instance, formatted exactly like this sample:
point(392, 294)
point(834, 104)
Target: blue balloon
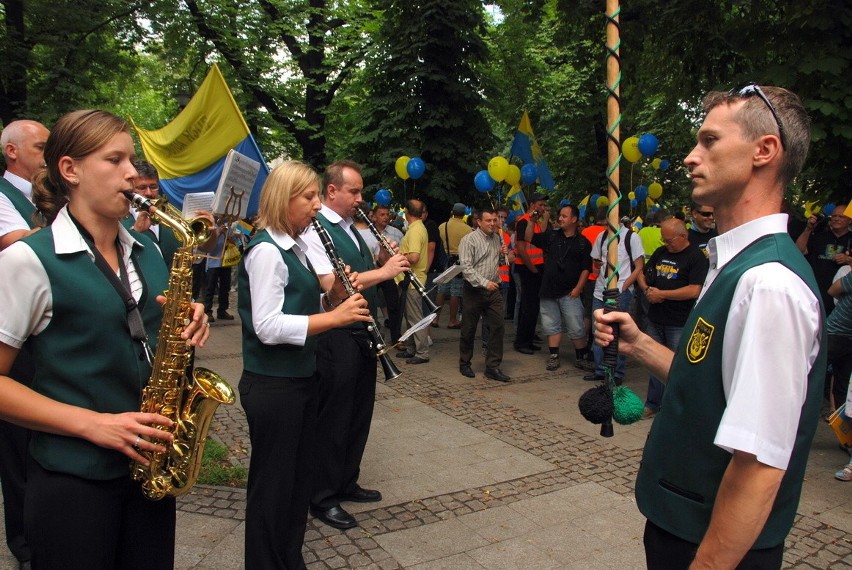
point(648, 144)
point(483, 181)
point(582, 212)
point(468, 211)
point(383, 197)
point(593, 200)
point(415, 168)
point(634, 203)
point(510, 219)
point(641, 192)
point(529, 173)
point(828, 209)
point(564, 202)
point(655, 208)
point(664, 164)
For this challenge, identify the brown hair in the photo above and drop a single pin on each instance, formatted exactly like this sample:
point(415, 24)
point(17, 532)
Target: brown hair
point(756, 120)
point(286, 181)
point(76, 135)
point(334, 173)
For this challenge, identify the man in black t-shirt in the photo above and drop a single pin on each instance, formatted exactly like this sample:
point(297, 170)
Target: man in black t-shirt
point(827, 250)
point(672, 281)
point(567, 263)
point(703, 227)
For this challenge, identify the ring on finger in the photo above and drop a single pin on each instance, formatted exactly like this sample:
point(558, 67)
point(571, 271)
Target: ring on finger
point(136, 443)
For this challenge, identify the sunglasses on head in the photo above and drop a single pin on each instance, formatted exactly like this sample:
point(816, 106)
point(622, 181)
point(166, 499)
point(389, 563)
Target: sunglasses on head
point(754, 90)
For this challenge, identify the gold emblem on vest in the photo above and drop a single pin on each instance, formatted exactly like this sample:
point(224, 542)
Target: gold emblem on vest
point(699, 342)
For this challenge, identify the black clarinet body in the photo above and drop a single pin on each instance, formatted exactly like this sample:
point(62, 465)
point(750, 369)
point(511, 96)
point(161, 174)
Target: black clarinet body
point(339, 267)
point(383, 242)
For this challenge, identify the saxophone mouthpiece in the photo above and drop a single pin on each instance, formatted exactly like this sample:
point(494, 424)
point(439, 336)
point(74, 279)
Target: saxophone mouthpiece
point(139, 201)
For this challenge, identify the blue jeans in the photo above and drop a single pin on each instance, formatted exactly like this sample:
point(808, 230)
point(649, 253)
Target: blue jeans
point(554, 311)
point(668, 336)
point(597, 351)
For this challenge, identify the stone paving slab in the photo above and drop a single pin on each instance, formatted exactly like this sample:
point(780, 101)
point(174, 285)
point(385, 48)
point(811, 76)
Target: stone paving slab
point(478, 474)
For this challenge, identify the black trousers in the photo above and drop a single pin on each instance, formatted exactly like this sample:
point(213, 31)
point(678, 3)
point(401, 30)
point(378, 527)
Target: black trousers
point(528, 315)
point(390, 291)
point(346, 368)
point(77, 523)
point(478, 303)
point(665, 551)
point(840, 358)
point(282, 417)
point(14, 441)
point(217, 277)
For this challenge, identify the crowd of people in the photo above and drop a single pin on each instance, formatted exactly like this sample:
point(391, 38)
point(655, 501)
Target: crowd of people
point(714, 295)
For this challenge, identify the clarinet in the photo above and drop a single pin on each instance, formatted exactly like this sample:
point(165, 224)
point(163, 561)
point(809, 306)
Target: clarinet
point(339, 267)
point(383, 241)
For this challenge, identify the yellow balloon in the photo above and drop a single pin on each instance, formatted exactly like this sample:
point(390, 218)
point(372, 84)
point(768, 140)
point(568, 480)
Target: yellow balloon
point(655, 190)
point(513, 175)
point(498, 167)
point(401, 167)
point(631, 195)
point(656, 163)
point(630, 149)
point(602, 201)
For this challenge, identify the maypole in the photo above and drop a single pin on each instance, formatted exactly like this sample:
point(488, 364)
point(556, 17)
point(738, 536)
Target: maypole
point(607, 401)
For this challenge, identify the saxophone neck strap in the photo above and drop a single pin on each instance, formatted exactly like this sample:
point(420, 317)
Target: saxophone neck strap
point(121, 284)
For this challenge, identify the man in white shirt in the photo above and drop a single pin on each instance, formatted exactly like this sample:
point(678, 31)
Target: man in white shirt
point(722, 470)
point(23, 148)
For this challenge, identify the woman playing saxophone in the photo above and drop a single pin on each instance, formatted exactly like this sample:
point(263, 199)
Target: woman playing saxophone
point(82, 293)
point(282, 309)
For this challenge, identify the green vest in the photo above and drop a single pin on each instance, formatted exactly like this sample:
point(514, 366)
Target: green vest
point(301, 297)
point(19, 201)
point(359, 258)
point(85, 357)
point(167, 241)
point(681, 467)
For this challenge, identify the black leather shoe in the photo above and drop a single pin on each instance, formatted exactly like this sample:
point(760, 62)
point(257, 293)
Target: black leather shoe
point(361, 495)
point(335, 517)
point(417, 360)
point(466, 370)
point(535, 347)
point(593, 378)
point(224, 316)
point(210, 316)
point(404, 354)
point(496, 374)
point(524, 349)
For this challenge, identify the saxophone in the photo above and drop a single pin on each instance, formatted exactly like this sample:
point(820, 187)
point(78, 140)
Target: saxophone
point(187, 397)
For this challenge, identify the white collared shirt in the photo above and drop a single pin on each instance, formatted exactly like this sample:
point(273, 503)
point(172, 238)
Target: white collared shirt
point(315, 251)
point(771, 342)
point(10, 219)
point(268, 278)
point(25, 293)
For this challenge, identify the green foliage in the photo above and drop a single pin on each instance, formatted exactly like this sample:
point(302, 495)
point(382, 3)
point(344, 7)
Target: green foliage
point(217, 470)
point(423, 97)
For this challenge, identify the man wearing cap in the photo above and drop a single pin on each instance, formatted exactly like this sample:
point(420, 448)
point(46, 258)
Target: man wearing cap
point(451, 232)
point(528, 265)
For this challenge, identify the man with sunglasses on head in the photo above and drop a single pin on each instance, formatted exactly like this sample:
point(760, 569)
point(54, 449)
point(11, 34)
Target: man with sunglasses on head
point(703, 227)
point(722, 469)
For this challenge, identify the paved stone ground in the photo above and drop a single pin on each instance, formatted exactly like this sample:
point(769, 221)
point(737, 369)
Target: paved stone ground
point(480, 474)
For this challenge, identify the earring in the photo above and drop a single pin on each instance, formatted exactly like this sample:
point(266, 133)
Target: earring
point(75, 181)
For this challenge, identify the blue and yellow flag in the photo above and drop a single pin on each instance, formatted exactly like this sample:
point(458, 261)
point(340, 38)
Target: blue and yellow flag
point(526, 148)
point(189, 152)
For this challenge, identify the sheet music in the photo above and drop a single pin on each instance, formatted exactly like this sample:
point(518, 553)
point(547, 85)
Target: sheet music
point(235, 186)
point(197, 201)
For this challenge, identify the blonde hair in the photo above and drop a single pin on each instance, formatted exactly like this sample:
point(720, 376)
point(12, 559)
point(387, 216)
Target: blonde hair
point(286, 181)
point(76, 135)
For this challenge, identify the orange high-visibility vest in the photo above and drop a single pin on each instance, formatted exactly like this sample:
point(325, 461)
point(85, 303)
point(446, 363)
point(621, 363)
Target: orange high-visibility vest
point(503, 270)
point(535, 254)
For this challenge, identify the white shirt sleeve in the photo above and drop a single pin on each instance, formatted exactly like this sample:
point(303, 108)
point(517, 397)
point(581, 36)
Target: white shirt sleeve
point(268, 277)
point(771, 342)
point(25, 295)
point(316, 252)
point(10, 219)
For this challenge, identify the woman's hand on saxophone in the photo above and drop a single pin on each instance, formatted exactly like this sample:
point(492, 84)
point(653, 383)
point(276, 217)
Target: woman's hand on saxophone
point(198, 329)
point(131, 433)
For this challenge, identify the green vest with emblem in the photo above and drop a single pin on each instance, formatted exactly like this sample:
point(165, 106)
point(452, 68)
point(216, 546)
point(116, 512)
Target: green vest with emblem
point(167, 241)
point(681, 467)
point(19, 201)
point(301, 297)
point(85, 356)
point(358, 258)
